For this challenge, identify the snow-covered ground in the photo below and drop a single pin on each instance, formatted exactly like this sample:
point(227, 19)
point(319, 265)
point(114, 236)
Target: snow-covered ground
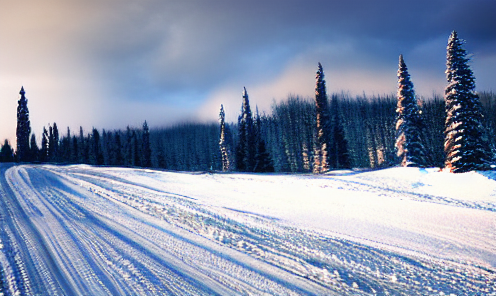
point(81, 230)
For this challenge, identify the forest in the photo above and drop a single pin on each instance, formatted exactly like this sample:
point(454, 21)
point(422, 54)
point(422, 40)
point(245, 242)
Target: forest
point(299, 135)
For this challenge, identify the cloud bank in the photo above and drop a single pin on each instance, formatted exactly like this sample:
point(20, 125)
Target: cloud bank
point(112, 63)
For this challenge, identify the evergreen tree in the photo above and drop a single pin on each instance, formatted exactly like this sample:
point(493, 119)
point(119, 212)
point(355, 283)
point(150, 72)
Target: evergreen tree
point(223, 145)
point(7, 153)
point(44, 146)
point(65, 147)
point(263, 162)
point(161, 161)
point(83, 148)
point(119, 159)
point(129, 147)
point(465, 146)
point(23, 130)
point(136, 152)
point(75, 150)
point(53, 143)
point(409, 143)
point(34, 150)
point(246, 149)
point(146, 150)
point(339, 154)
point(96, 156)
point(50, 143)
point(321, 145)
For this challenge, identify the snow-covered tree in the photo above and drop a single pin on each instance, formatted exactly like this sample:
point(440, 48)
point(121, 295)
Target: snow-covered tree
point(246, 149)
point(409, 143)
point(44, 146)
point(23, 130)
point(263, 161)
point(147, 152)
point(339, 154)
point(465, 146)
point(321, 145)
point(223, 144)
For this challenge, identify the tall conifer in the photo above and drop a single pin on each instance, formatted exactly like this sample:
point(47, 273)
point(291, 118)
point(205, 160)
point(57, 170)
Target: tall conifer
point(23, 130)
point(147, 152)
point(223, 145)
point(246, 149)
point(465, 146)
point(409, 146)
point(339, 157)
point(321, 143)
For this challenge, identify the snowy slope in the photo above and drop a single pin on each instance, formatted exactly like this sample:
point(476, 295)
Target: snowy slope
point(86, 230)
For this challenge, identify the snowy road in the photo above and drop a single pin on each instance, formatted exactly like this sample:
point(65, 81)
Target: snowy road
point(80, 230)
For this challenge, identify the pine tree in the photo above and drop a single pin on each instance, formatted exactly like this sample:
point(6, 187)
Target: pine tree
point(75, 150)
point(83, 154)
point(128, 160)
point(409, 143)
point(465, 146)
point(161, 162)
point(246, 149)
point(23, 130)
point(53, 143)
point(263, 161)
point(44, 146)
point(65, 148)
point(119, 159)
point(223, 145)
point(6, 153)
point(96, 155)
point(147, 152)
point(321, 145)
point(34, 150)
point(136, 152)
point(339, 154)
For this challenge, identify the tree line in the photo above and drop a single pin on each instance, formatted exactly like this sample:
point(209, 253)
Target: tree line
point(299, 134)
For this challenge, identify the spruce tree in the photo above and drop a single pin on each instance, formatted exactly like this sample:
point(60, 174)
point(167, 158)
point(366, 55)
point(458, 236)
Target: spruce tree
point(161, 162)
point(96, 155)
point(23, 130)
point(223, 145)
point(34, 150)
point(75, 150)
point(44, 146)
point(263, 162)
point(464, 145)
point(128, 159)
point(147, 152)
point(339, 154)
point(409, 143)
point(119, 159)
point(136, 152)
point(53, 143)
point(6, 153)
point(246, 149)
point(321, 142)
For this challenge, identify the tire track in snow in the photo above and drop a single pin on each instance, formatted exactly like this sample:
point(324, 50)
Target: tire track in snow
point(34, 270)
point(118, 257)
point(100, 246)
point(338, 264)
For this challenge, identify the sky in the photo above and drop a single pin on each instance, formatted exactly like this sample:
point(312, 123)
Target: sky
point(108, 63)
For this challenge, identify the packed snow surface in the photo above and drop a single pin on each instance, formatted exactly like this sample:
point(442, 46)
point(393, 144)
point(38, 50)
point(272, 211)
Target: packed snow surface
point(82, 230)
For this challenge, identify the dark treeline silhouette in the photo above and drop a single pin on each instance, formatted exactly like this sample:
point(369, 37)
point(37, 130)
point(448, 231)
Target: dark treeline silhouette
point(288, 133)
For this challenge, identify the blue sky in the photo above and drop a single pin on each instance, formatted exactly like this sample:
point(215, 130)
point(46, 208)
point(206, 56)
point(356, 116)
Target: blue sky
point(112, 63)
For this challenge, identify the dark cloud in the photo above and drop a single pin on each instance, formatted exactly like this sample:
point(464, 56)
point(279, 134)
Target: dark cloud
point(185, 53)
